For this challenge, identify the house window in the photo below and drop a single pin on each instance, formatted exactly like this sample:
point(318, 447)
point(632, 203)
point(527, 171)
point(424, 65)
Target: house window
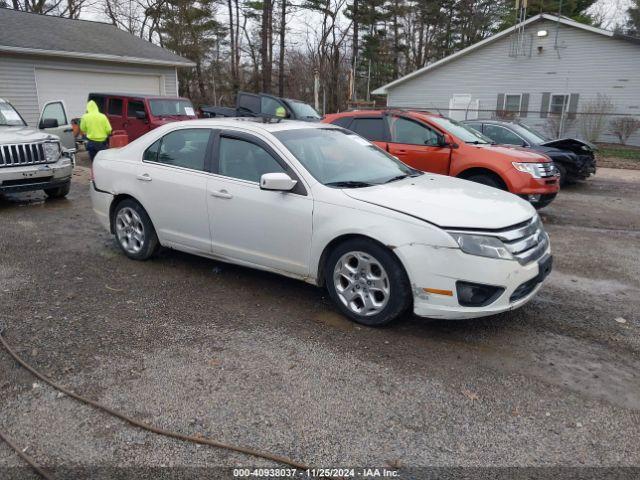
point(512, 103)
point(558, 104)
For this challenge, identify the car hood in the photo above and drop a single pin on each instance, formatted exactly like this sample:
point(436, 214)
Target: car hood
point(571, 144)
point(554, 153)
point(23, 135)
point(515, 154)
point(448, 202)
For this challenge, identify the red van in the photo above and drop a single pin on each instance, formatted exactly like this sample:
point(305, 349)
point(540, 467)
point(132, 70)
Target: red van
point(137, 114)
point(433, 143)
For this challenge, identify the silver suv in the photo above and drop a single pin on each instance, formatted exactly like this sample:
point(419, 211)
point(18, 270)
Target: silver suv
point(31, 159)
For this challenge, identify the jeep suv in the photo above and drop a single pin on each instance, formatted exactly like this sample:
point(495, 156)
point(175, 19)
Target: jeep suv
point(31, 159)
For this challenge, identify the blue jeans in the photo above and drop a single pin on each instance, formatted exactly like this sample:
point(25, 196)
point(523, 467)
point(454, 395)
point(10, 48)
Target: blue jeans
point(94, 147)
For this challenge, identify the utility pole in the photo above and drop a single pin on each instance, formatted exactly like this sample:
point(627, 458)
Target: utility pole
point(316, 89)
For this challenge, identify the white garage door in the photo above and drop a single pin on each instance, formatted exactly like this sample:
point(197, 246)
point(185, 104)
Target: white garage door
point(73, 86)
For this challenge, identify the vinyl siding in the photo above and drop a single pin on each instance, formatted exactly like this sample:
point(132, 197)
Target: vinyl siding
point(586, 63)
point(18, 82)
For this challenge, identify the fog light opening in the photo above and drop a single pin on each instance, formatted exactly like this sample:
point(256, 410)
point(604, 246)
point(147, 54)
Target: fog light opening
point(477, 294)
point(534, 197)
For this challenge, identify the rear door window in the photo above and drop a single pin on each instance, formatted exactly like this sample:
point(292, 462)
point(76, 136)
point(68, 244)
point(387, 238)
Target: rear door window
point(182, 148)
point(134, 106)
point(115, 107)
point(372, 129)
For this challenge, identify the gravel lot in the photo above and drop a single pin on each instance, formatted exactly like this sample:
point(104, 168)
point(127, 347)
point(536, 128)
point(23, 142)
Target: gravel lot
point(254, 359)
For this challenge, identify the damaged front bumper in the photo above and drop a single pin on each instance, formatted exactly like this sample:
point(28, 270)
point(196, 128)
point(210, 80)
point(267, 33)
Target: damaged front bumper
point(439, 269)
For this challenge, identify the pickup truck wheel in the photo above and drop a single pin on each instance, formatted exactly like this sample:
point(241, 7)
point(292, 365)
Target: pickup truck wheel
point(367, 282)
point(486, 179)
point(58, 192)
point(135, 234)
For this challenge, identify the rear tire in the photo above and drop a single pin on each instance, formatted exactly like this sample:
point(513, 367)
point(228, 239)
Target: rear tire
point(134, 231)
point(488, 180)
point(367, 282)
point(58, 192)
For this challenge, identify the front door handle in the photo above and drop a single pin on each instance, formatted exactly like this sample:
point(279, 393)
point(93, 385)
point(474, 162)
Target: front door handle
point(400, 152)
point(145, 177)
point(221, 194)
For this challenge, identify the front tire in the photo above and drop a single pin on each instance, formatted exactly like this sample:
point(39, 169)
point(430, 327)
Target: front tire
point(134, 231)
point(367, 282)
point(562, 170)
point(488, 180)
point(58, 192)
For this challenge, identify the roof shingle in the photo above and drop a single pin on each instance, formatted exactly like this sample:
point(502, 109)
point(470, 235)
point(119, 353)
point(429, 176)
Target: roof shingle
point(23, 32)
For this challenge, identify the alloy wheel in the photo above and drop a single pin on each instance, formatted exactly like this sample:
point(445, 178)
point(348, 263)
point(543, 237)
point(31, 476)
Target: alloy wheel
point(361, 283)
point(130, 230)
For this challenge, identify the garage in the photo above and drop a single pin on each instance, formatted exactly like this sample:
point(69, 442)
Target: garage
point(73, 86)
point(45, 58)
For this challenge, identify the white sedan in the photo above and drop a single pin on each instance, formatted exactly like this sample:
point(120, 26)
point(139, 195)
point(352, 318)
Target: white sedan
point(319, 203)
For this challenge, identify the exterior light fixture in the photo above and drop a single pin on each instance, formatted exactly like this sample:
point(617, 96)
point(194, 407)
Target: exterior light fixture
point(543, 33)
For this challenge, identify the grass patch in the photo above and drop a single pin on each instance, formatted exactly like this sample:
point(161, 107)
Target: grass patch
point(619, 151)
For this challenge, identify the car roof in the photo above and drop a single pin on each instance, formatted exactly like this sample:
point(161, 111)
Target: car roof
point(137, 95)
point(256, 124)
point(364, 113)
point(487, 120)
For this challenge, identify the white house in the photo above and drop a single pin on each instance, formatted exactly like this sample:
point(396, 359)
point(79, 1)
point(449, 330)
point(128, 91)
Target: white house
point(44, 58)
point(545, 70)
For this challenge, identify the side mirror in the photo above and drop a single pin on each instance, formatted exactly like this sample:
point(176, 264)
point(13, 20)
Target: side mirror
point(277, 181)
point(140, 115)
point(447, 141)
point(49, 123)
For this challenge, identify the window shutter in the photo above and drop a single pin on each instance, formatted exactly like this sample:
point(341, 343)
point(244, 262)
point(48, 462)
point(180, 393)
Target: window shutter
point(544, 106)
point(524, 105)
point(573, 105)
point(500, 103)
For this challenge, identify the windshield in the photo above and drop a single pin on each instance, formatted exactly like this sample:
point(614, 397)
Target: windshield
point(529, 134)
point(169, 108)
point(9, 116)
point(342, 159)
point(463, 132)
point(303, 110)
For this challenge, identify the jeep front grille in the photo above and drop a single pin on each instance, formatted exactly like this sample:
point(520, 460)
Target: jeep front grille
point(19, 154)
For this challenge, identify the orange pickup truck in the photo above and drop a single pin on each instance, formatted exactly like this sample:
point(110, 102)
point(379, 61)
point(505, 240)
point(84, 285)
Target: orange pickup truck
point(433, 143)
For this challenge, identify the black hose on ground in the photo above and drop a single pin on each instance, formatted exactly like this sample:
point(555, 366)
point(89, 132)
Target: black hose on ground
point(32, 463)
point(167, 433)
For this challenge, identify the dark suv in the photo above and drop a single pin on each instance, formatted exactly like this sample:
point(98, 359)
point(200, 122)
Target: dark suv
point(574, 159)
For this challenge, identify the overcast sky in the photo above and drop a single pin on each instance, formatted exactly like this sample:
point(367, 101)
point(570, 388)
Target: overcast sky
point(611, 12)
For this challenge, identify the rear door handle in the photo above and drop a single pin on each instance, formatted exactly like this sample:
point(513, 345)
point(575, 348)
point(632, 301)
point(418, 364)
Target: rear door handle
point(221, 194)
point(145, 177)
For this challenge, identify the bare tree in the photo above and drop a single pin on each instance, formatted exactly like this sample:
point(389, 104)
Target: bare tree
point(624, 127)
point(594, 117)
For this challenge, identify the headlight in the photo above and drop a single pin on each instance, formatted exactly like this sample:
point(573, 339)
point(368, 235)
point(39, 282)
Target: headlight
point(51, 151)
point(532, 169)
point(482, 246)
